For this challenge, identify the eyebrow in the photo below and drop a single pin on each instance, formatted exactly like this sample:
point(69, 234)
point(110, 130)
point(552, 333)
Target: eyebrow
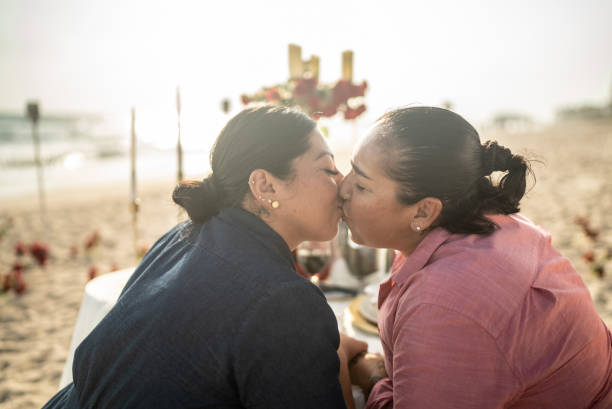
point(359, 171)
point(323, 154)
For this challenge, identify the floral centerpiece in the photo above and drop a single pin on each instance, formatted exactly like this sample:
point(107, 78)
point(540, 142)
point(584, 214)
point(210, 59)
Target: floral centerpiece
point(315, 98)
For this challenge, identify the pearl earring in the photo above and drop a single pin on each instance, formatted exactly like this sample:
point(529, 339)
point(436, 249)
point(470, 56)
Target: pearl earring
point(274, 204)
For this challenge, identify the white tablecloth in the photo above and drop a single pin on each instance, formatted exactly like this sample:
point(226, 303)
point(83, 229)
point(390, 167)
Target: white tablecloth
point(102, 292)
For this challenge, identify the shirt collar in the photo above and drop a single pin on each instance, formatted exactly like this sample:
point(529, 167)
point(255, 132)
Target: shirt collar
point(267, 236)
point(421, 255)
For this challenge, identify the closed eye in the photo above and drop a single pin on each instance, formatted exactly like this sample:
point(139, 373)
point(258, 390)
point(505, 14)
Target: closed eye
point(359, 187)
point(331, 172)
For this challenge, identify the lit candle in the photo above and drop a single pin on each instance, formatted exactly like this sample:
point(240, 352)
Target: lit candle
point(295, 61)
point(347, 65)
point(312, 66)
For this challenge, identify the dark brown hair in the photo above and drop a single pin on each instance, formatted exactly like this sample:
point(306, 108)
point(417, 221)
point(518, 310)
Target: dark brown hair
point(264, 137)
point(434, 152)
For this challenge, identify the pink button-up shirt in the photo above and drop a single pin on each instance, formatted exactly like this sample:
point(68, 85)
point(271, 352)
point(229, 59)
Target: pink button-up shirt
point(499, 321)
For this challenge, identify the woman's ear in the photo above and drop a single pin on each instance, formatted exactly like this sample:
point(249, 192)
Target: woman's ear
point(261, 184)
point(428, 210)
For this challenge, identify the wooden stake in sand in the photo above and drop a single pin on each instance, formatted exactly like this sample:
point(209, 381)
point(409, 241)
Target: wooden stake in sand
point(33, 114)
point(179, 148)
point(134, 200)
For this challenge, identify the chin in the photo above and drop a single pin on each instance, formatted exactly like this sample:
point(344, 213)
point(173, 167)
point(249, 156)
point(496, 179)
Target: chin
point(355, 237)
point(330, 234)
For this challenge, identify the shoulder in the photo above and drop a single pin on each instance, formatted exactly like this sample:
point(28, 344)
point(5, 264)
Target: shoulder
point(485, 278)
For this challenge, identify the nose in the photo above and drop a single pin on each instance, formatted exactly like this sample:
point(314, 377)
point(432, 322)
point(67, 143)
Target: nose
point(339, 178)
point(345, 187)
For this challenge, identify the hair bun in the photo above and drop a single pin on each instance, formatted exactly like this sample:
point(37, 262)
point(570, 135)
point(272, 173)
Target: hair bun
point(496, 157)
point(200, 199)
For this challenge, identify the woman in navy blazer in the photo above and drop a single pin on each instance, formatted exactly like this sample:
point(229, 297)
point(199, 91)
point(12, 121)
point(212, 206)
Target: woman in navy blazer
point(215, 314)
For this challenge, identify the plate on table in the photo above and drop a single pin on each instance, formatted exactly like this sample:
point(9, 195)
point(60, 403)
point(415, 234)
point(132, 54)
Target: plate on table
point(369, 308)
point(357, 319)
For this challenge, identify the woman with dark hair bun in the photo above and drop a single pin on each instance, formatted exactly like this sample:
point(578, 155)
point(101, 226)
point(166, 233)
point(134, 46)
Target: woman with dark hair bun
point(480, 311)
point(215, 315)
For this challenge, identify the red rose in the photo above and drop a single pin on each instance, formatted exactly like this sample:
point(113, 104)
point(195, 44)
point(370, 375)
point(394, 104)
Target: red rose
point(40, 252)
point(352, 113)
point(590, 232)
point(20, 249)
point(272, 95)
point(92, 240)
point(330, 110)
point(17, 266)
point(19, 285)
point(6, 282)
point(314, 103)
point(92, 272)
point(341, 92)
point(304, 87)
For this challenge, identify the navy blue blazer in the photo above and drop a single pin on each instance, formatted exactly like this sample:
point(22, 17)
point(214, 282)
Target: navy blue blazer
point(215, 315)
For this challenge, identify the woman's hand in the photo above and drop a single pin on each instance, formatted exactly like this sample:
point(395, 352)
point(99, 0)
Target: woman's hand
point(349, 348)
point(365, 370)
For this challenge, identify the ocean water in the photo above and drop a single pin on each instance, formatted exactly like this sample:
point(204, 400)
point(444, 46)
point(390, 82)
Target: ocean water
point(81, 150)
point(84, 150)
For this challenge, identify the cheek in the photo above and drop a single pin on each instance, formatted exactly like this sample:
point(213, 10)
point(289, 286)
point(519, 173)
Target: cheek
point(327, 189)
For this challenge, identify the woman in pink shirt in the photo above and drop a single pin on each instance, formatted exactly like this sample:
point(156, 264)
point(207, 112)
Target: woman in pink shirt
point(480, 310)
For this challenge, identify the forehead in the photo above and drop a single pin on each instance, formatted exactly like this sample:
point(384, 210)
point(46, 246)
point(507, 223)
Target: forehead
point(368, 149)
point(317, 145)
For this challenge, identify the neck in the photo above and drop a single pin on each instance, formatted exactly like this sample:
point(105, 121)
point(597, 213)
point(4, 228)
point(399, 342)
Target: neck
point(264, 215)
point(409, 248)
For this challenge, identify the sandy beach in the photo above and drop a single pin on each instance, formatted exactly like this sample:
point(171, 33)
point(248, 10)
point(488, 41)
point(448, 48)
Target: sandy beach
point(573, 169)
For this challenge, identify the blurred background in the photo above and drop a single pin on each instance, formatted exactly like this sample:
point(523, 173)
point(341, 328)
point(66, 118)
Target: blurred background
point(88, 62)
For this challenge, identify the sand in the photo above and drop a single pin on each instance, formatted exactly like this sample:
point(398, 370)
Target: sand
point(35, 328)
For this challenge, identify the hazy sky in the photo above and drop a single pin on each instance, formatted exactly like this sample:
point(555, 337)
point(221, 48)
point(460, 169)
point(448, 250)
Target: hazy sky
point(485, 56)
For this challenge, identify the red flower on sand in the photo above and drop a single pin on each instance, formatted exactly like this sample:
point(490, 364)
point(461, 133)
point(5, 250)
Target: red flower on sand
point(17, 266)
point(588, 256)
point(92, 240)
point(6, 282)
point(40, 252)
point(19, 285)
point(14, 279)
point(92, 272)
point(20, 249)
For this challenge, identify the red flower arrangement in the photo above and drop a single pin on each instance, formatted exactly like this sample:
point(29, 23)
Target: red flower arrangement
point(40, 252)
point(314, 98)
